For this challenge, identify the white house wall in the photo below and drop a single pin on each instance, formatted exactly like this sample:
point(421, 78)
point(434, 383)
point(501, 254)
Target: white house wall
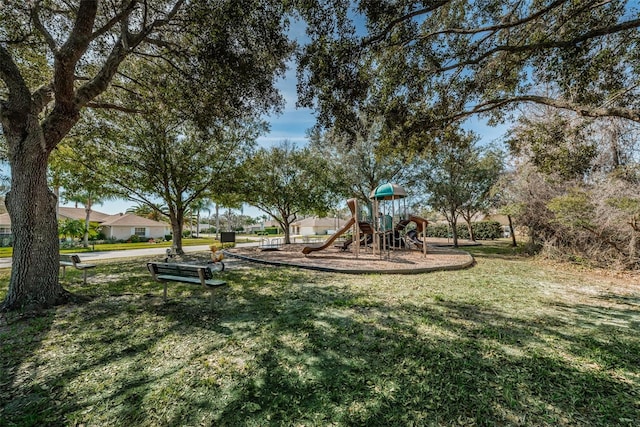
point(123, 233)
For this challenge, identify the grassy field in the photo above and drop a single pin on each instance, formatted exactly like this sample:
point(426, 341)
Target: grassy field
point(511, 341)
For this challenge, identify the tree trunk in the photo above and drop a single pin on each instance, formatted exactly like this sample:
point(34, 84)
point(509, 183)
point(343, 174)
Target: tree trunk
point(454, 229)
point(87, 210)
point(32, 209)
point(177, 220)
point(287, 233)
point(198, 224)
point(472, 236)
point(511, 231)
point(217, 222)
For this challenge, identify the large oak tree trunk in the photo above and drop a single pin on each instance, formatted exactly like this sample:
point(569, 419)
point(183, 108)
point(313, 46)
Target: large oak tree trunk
point(287, 233)
point(32, 209)
point(177, 221)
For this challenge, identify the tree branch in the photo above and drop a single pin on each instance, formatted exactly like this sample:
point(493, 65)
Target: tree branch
point(114, 20)
point(35, 17)
point(552, 44)
point(111, 106)
point(495, 28)
point(386, 30)
point(581, 110)
point(19, 97)
point(42, 96)
point(123, 47)
point(72, 50)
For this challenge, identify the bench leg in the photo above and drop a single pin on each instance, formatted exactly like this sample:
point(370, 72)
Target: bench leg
point(84, 276)
point(165, 291)
point(64, 270)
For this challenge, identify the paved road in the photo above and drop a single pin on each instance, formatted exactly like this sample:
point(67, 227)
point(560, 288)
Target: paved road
point(129, 253)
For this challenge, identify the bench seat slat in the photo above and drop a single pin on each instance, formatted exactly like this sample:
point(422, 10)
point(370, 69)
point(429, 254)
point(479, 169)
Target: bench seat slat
point(196, 280)
point(169, 278)
point(186, 273)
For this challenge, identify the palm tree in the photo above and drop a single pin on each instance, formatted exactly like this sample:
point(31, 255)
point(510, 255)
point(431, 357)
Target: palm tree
point(88, 198)
point(197, 206)
point(156, 213)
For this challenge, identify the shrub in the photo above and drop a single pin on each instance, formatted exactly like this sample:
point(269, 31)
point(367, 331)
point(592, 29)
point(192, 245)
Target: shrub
point(438, 230)
point(487, 230)
point(484, 230)
point(134, 238)
point(168, 237)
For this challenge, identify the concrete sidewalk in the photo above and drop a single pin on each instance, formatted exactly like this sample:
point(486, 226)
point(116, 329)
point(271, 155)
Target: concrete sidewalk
point(130, 253)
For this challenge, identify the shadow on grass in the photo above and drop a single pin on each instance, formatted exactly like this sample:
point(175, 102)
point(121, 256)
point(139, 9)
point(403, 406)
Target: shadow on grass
point(497, 250)
point(384, 370)
point(288, 347)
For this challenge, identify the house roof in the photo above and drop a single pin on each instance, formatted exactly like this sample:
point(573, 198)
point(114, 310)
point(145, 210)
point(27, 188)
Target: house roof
point(80, 213)
point(120, 220)
point(131, 220)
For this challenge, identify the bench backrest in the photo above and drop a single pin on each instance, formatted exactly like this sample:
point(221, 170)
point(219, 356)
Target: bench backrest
point(185, 270)
point(70, 258)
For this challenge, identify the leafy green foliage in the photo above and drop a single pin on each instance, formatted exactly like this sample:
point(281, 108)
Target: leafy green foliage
point(483, 230)
point(457, 177)
point(358, 158)
point(73, 228)
point(554, 144)
point(573, 209)
point(423, 66)
point(286, 182)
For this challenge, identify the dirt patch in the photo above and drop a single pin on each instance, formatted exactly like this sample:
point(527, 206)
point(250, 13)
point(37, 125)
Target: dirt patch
point(333, 259)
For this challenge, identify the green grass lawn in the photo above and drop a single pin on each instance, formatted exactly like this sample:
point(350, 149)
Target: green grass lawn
point(511, 341)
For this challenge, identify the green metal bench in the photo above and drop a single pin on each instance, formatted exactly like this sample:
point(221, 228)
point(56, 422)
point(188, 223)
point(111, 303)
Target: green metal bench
point(74, 261)
point(187, 273)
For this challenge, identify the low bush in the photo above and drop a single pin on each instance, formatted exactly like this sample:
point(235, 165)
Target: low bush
point(484, 230)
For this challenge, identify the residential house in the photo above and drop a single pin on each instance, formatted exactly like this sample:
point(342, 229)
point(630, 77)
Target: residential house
point(123, 226)
point(254, 228)
point(317, 226)
point(119, 226)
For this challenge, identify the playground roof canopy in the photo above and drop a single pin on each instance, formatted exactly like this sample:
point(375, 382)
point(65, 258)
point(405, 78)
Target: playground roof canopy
point(388, 192)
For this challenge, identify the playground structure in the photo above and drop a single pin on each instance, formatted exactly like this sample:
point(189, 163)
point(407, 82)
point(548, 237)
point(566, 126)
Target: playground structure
point(383, 232)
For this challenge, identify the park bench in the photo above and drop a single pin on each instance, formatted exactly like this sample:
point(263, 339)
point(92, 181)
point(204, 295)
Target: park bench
point(74, 261)
point(187, 273)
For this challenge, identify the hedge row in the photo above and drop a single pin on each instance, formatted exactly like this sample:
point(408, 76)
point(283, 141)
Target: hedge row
point(485, 230)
